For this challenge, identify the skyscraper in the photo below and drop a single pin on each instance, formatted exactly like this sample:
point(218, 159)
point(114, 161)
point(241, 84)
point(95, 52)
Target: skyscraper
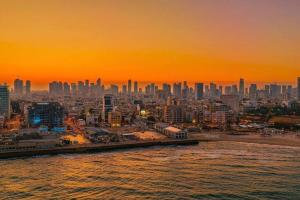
point(124, 89)
point(129, 87)
point(28, 87)
point(67, 89)
point(135, 87)
point(213, 90)
point(177, 90)
point(198, 91)
point(4, 101)
point(18, 87)
point(242, 88)
point(74, 89)
point(298, 88)
point(253, 91)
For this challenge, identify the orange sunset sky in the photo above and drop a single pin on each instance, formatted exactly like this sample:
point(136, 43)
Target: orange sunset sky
point(149, 40)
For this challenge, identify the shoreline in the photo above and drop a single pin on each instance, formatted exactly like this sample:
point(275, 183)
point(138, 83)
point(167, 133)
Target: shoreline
point(281, 140)
point(91, 148)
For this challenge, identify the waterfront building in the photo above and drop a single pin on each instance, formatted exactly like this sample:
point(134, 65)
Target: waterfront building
point(50, 114)
point(170, 131)
point(4, 101)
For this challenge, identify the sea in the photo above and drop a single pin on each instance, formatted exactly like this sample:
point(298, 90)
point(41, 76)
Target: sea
point(212, 170)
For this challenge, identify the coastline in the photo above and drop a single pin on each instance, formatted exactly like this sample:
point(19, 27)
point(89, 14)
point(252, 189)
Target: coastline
point(90, 148)
point(282, 140)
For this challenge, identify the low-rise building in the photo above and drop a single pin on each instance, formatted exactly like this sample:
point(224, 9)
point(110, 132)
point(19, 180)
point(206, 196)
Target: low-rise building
point(171, 131)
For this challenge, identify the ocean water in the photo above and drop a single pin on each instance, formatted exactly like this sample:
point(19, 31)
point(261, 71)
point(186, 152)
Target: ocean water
point(216, 170)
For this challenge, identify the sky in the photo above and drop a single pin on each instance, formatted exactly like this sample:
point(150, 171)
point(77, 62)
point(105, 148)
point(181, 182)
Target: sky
point(149, 40)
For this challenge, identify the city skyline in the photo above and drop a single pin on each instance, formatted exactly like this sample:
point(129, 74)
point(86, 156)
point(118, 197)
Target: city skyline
point(190, 40)
point(142, 84)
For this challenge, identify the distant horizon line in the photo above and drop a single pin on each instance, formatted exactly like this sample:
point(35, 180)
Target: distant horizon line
point(45, 86)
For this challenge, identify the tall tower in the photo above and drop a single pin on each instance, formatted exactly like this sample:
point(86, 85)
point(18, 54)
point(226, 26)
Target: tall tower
point(4, 101)
point(129, 87)
point(242, 88)
point(298, 88)
point(18, 87)
point(135, 87)
point(198, 91)
point(28, 87)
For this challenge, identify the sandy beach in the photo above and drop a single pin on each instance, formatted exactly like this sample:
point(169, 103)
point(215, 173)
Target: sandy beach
point(282, 140)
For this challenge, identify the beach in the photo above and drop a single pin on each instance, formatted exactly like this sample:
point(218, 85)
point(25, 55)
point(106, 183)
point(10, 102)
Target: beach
point(289, 139)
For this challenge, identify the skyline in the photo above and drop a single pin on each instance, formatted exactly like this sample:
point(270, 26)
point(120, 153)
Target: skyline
point(149, 42)
point(143, 84)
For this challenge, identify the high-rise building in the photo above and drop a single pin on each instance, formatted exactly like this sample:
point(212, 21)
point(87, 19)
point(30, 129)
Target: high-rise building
point(267, 91)
point(108, 105)
point(242, 88)
point(74, 89)
point(253, 91)
point(177, 90)
point(114, 89)
point(213, 90)
point(275, 90)
point(129, 87)
point(67, 89)
point(198, 91)
point(166, 89)
point(56, 88)
point(80, 87)
point(4, 101)
point(28, 87)
point(135, 87)
point(50, 114)
point(124, 89)
point(228, 90)
point(18, 87)
point(234, 90)
point(298, 88)
point(289, 91)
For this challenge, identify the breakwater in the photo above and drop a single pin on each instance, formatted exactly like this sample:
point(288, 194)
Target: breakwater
point(90, 148)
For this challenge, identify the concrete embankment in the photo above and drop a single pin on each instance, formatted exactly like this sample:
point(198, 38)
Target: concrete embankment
point(89, 148)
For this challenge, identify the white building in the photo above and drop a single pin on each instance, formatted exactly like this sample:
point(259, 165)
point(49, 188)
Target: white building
point(171, 131)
